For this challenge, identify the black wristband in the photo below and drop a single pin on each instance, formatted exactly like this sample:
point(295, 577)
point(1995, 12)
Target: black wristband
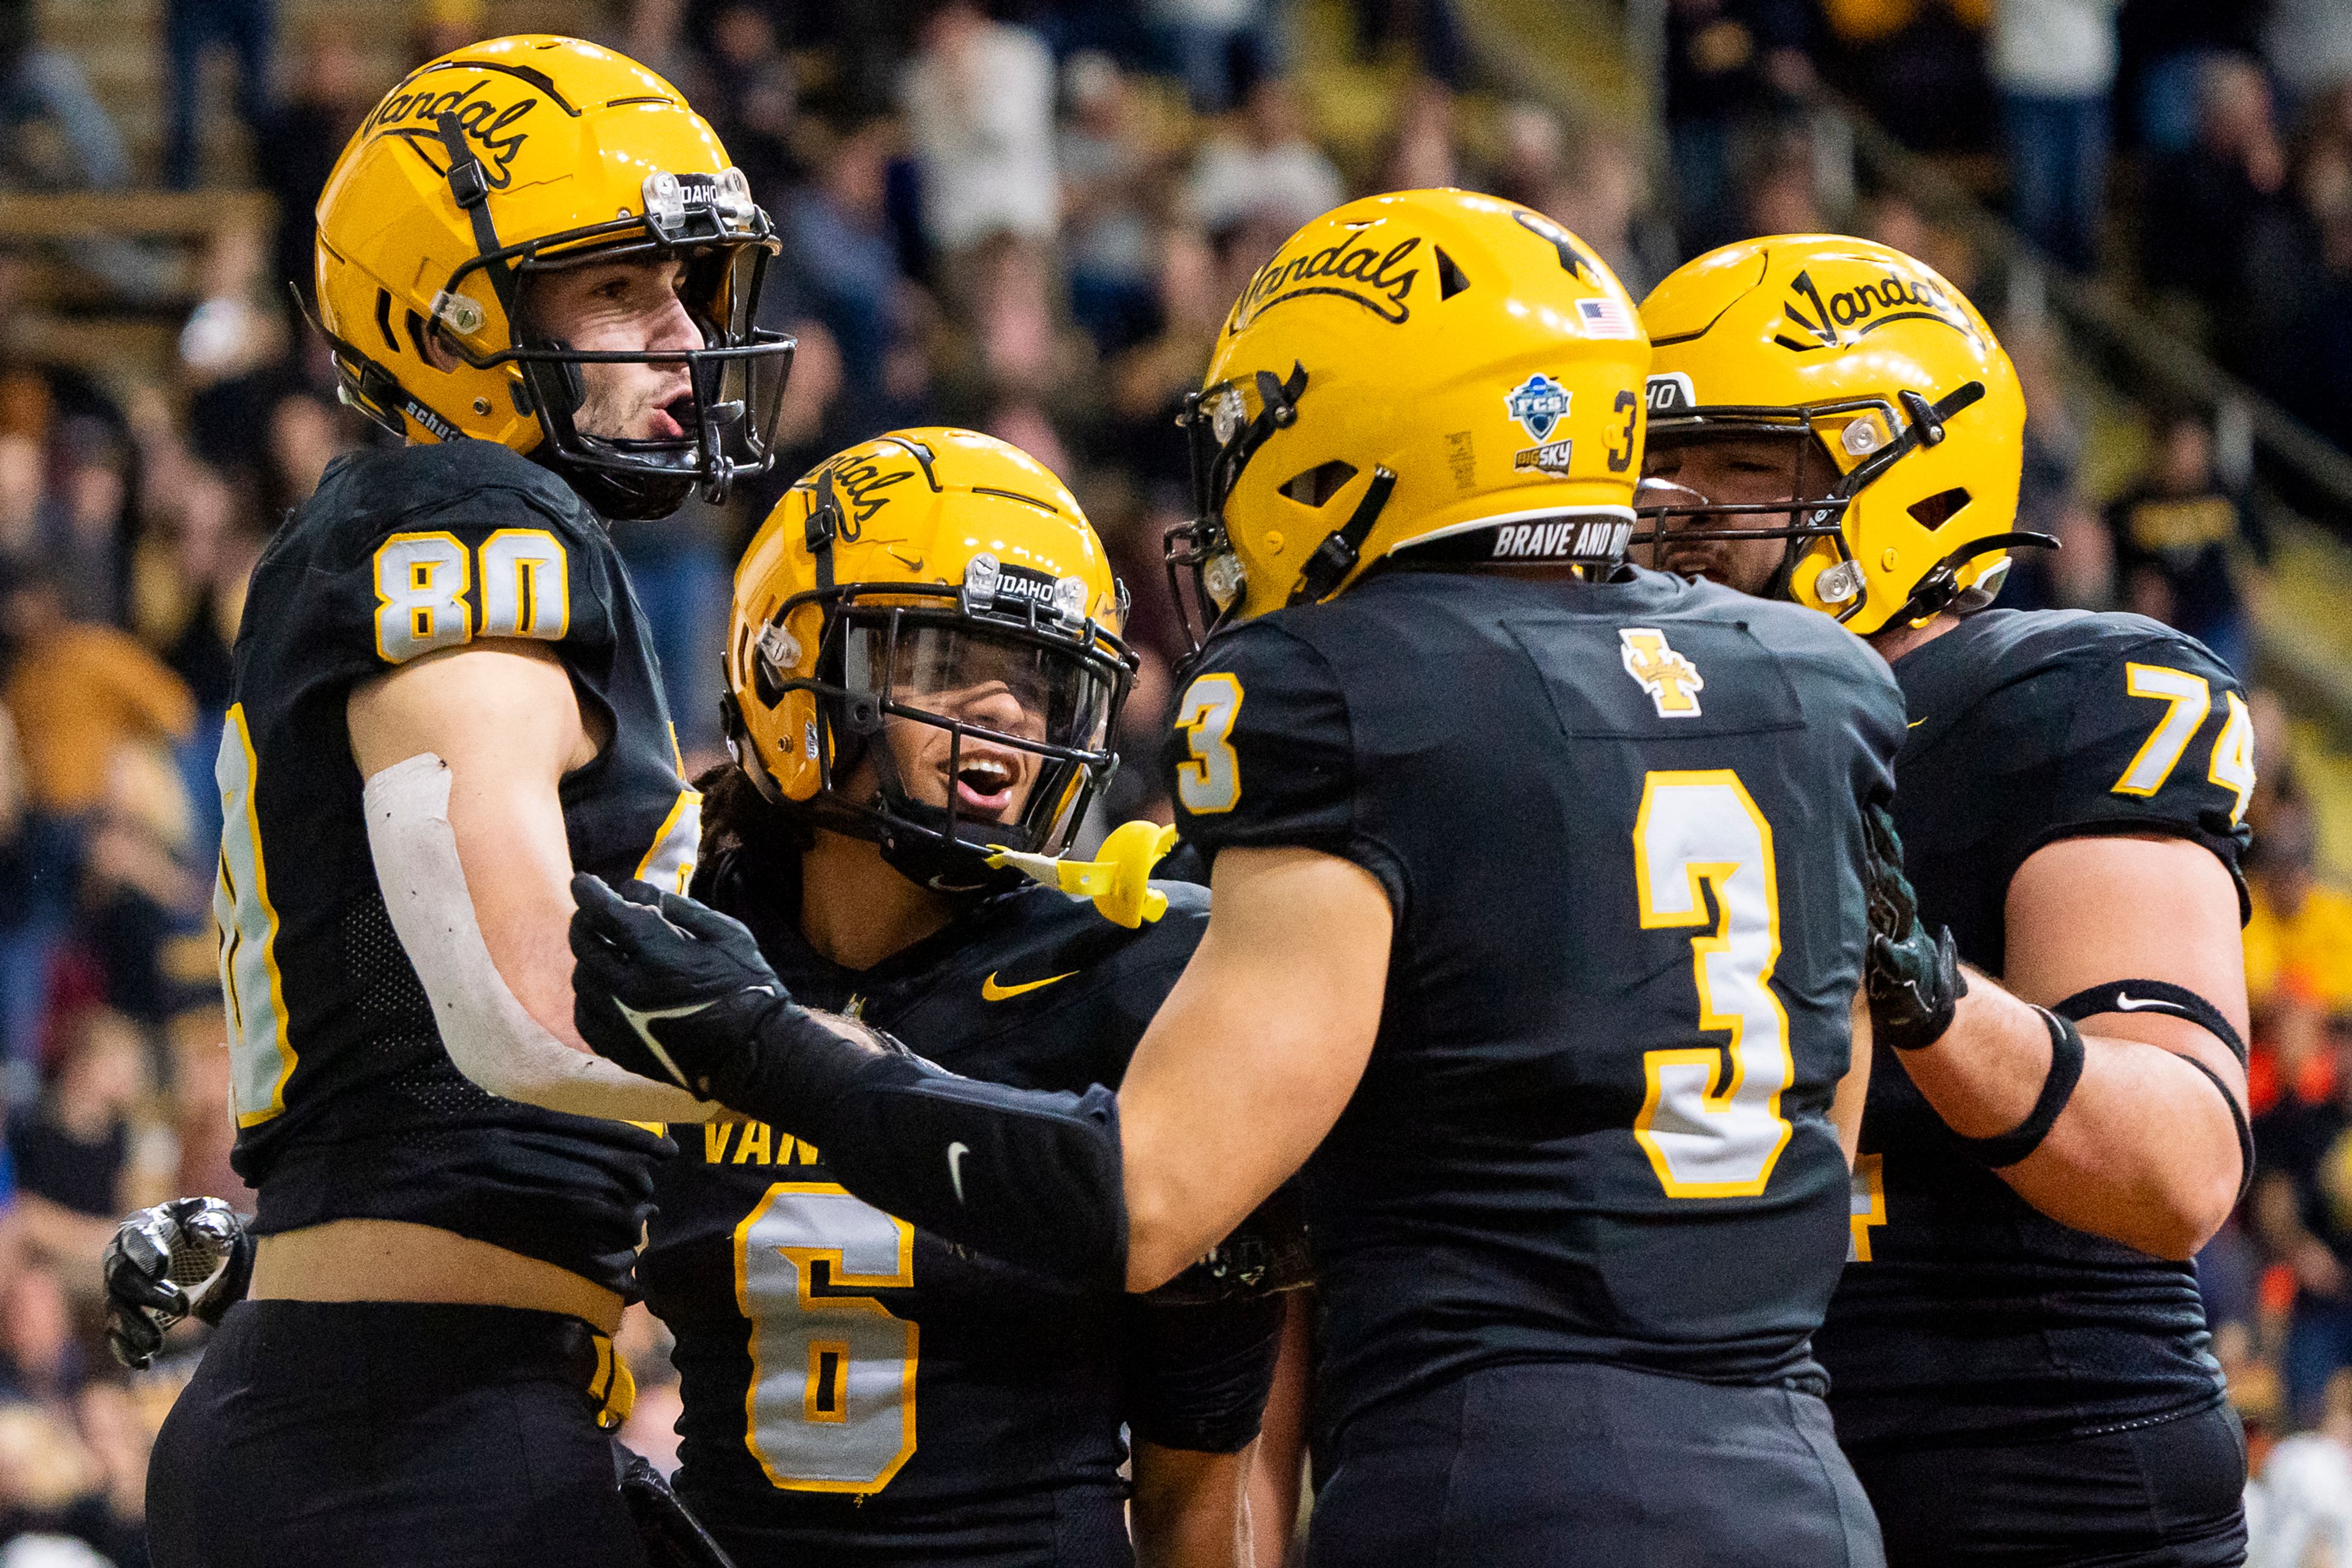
point(2153, 996)
point(2066, 1072)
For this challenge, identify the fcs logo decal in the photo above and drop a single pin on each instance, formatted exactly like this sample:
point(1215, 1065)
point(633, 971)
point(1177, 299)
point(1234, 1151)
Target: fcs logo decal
point(1372, 279)
point(1672, 681)
point(1848, 315)
point(416, 115)
point(1538, 403)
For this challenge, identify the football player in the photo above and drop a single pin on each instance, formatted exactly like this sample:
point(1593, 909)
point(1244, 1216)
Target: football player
point(934, 610)
point(856, 1391)
point(1538, 923)
point(536, 265)
point(2018, 1356)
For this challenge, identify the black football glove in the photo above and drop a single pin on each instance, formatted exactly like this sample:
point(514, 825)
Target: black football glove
point(1912, 975)
point(678, 992)
point(187, 1258)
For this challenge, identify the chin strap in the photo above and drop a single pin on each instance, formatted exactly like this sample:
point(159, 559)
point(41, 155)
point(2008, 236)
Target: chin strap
point(1343, 546)
point(1941, 585)
point(1119, 879)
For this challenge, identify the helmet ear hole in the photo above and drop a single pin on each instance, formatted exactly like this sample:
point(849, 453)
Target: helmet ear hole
point(1449, 278)
point(1940, 508)
point(1317, 485)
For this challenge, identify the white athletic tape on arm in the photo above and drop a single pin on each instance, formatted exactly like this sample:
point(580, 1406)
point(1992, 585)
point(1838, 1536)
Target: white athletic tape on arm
point(489, 1034)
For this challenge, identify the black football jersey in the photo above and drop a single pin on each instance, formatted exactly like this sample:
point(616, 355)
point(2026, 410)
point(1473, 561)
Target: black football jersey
point(1966, 1315)
point(1620, 827)
point(858, 1391)
point(347, 1106)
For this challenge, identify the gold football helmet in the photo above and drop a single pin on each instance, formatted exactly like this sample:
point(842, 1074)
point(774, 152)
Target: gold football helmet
point(519, 156)
point(1903, 416)
point(931, 577)
point(1434, 372)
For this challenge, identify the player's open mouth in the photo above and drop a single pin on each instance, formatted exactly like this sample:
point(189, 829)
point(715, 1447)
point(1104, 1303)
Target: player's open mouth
point(668, 421)
point(984, 786)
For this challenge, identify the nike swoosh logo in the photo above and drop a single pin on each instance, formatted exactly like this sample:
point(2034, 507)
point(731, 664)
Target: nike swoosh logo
point(2125, 1004)
point(989, 990)
point(956, 1151)
point(642, 1023)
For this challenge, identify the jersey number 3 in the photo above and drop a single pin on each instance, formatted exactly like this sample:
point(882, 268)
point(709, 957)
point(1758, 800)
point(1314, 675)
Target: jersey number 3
point(1710, 1119)
point(832, 1403)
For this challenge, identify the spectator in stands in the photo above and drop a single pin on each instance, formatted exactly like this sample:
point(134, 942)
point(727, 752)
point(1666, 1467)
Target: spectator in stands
point(295, 148)
point(2298, 954)
point(1423, 153)
point(2164, 46)
point(2308, 46)
point(2055, 64)
point(980, 112)
point(40, 1359)
point(1270, 175)
point(2305, 1512)
point(77, 693)
point(1734, 68)
point(747, 95)
point(145, 919)
point(1109, 170)
point(1603, 197)
point(840, 268)
point(27, 938)
point(41, 84)
point(2173, 535)
point(2201, 204)
point(191, 28)
point(2049, 500)
point(76, 1152)
point(2303, 1208)
point(1220, 47)
point(1917, 67)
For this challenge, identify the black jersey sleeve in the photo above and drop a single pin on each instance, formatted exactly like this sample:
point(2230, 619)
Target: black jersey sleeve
point(2156, 739)
point(1262, 754)
point(1196, 1376)
point(453, 544)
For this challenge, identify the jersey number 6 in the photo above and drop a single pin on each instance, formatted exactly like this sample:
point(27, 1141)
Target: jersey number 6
point(831, 1402)
point(1709, 1134)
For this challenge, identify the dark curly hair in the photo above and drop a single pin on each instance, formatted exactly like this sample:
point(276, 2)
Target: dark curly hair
point(741, 823)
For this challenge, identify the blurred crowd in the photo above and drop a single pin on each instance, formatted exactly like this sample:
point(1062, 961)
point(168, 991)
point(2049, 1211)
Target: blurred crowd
point(1031, 220)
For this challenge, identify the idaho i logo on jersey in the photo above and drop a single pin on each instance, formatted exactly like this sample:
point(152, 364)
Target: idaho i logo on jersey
point(1672, 681)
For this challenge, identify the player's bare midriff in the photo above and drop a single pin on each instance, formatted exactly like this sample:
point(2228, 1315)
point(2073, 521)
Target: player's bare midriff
point(393, 1260)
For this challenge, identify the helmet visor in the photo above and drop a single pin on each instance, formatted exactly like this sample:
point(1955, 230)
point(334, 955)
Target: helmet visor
point(981, 732)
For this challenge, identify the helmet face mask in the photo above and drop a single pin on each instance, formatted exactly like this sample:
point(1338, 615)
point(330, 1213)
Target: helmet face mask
point(925, 654)
point(735, 380)
point(952, 732)
point(1224, 427)
point(1905, 419)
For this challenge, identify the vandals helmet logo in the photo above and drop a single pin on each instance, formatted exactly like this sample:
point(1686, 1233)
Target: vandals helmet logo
point(1379, 281)
point(1538, 403)
point(417, 116)
point(1845, 316)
